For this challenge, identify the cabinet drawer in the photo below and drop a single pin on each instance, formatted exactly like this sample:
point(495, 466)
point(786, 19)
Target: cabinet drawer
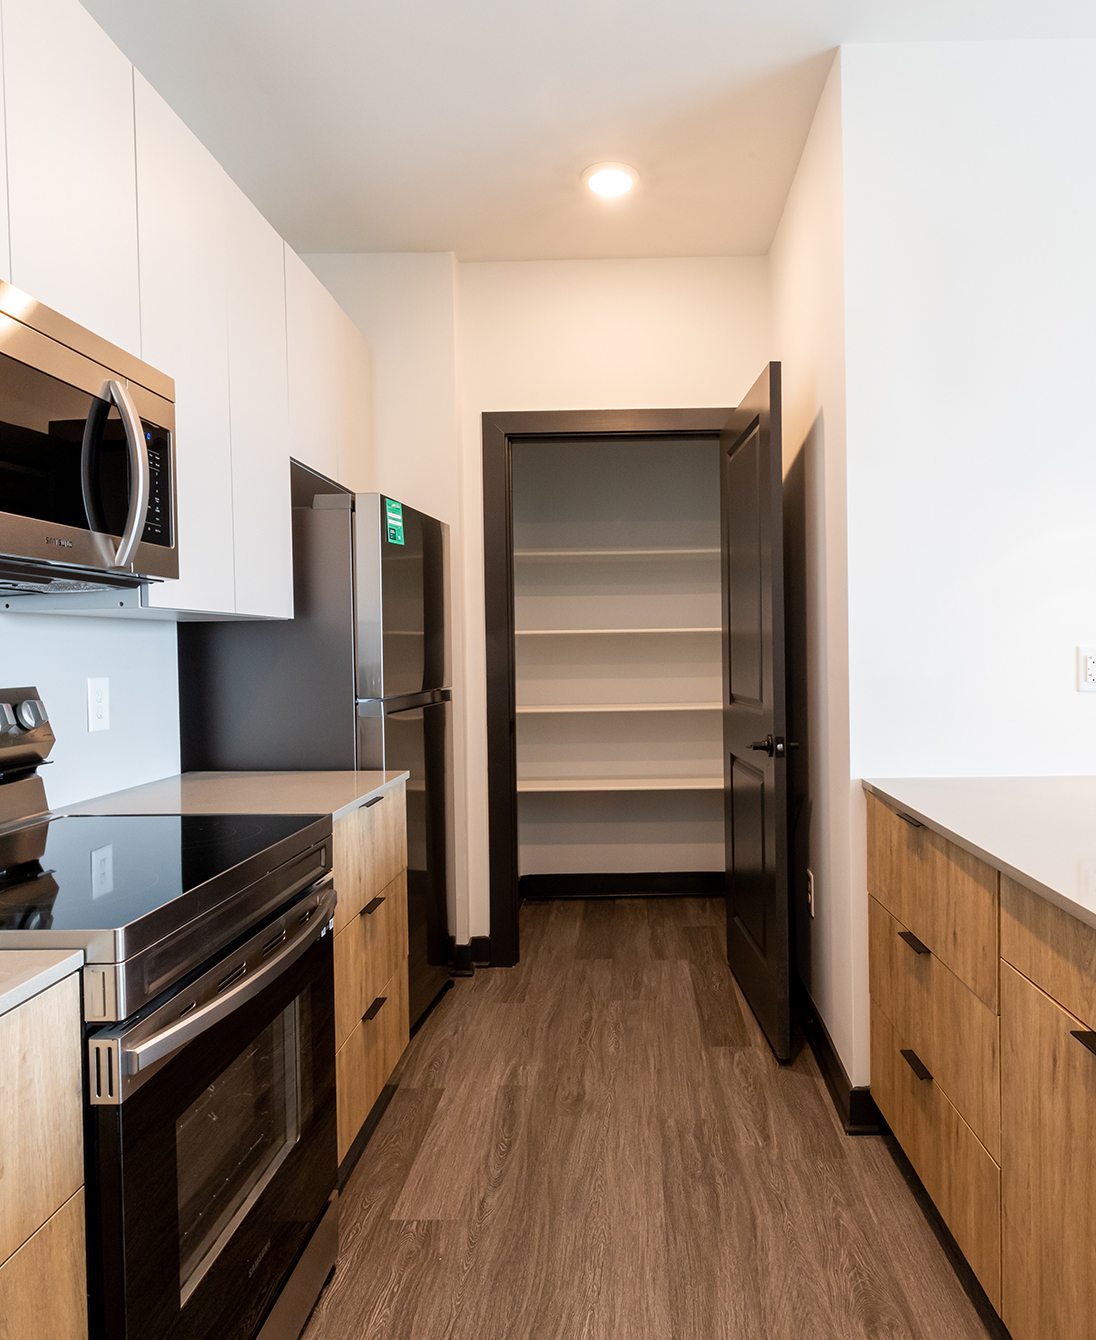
point(43, 1287)
point(41, 1111)
point(369, 849)
point(946, 897)
point(366, 1059)
point(945, 1023)
point(1048, 1167)
point(367, 953)
point(1056, 951)
point(958, 1173)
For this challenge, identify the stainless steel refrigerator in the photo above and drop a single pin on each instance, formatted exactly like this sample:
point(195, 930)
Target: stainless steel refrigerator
point(358, 679)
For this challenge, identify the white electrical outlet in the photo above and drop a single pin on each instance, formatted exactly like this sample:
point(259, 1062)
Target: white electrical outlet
point(102, 870)
point(1086, 669)
point(98, 704)
point(810, 891)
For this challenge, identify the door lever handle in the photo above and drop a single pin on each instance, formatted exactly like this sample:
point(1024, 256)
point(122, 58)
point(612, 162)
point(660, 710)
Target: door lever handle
point(766, 746)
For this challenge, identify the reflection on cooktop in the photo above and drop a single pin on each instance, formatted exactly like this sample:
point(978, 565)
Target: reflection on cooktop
point(96, 872)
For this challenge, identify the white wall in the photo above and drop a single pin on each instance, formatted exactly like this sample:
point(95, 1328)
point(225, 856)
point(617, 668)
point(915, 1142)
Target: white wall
point(57, 655)
point(807, 265)
point(970, 209)
point(543, 335)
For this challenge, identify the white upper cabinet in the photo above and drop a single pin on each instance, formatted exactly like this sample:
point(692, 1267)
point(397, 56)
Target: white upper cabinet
point(181, 193)
point(328, 380)
point(72, 197)
point(314, 368)
point(356, 433)
point(259, 412)
point(5, 247)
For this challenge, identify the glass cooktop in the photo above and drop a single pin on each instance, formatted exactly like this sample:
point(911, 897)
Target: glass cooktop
point(105, 872)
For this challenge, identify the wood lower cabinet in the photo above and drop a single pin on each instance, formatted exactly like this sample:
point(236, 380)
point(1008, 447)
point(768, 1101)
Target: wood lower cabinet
point(951, 1030)
point(371, 991)
point(43, 1270)
point(369, 848)
point(945, 896)
point(935, 1031)
point(41, 1111)
point(365, 1061)
point(1048, 1167)
point(997, 1113)
point(43, 1286)
point(955, 1167)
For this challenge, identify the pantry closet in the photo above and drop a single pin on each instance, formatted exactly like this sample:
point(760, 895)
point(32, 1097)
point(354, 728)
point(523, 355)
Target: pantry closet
point(618, 665)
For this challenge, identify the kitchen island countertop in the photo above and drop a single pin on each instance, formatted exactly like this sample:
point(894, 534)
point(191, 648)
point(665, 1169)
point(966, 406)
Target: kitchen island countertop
point(1040, 831)
point(26, 972)
point(334, 793)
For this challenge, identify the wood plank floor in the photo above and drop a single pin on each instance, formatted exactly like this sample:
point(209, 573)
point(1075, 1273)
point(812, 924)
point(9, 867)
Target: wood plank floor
point(598, 1145)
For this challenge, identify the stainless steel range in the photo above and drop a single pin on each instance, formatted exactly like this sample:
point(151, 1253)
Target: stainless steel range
point(209, 1016)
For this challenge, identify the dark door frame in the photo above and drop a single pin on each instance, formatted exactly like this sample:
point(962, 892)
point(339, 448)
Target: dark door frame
point(500, 432)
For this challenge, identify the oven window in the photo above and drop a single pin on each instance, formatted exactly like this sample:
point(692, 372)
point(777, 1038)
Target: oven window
point(233, 1139)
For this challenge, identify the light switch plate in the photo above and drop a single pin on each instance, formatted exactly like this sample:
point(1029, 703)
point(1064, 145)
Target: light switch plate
point(98, 704)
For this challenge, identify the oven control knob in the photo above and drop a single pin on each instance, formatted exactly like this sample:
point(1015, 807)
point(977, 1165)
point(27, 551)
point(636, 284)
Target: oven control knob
point(31, 713)
point(7, 718)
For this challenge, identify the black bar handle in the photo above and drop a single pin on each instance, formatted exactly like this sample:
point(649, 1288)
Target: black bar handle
point(370, 907)
point(1085, 1038)
point(370, 803)
point(918, 946)
point(909, 819)
point(374, 1009)
point(916, 1064)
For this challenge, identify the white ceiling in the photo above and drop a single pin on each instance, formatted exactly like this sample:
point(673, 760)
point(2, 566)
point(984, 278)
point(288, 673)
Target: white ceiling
point(431, 125)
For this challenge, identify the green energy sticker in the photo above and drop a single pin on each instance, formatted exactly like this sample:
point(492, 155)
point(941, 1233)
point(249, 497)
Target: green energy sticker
point(394, 521)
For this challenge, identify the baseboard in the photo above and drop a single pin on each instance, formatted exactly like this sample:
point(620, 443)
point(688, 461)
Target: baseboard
point(481, 951)
point(354, 1153)
point(659, 884)
point(460, 958)
point(854, 1103)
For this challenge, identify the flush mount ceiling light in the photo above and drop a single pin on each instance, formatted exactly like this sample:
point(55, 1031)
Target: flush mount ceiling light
point(610, 179)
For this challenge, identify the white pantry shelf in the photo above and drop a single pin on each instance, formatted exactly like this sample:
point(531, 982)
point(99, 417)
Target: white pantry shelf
point(523, 708)
point(695, 551)
point(567, 784)
point(597, 632)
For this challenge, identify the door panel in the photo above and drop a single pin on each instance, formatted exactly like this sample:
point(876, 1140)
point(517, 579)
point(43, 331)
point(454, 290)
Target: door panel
point(747, 849)
point(754, 744)
point(743, 568)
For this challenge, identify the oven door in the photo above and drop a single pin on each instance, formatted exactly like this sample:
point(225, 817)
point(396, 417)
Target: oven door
point(213, 1150)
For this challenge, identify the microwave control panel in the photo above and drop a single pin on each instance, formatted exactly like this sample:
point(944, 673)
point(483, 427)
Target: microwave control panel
point(158, 526)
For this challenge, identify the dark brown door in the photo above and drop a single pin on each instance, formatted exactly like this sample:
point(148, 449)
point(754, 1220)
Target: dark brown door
point(754, 743)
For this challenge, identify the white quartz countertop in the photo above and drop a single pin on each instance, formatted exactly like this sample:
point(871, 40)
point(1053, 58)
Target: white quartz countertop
point(1041, 831)
point(26, 972)
point(334, 793)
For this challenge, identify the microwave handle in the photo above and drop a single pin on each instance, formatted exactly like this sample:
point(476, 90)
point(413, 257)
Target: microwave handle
point(138, 474)
point(150, 1050)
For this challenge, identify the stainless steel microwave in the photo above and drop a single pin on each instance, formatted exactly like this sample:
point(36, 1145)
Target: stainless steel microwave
point(87, 457)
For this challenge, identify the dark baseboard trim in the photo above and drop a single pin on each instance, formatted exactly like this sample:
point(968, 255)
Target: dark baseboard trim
point(854, 1103)
point(480, 946)
point(460, 956)
point(354, 1153)
point(659, 884)
point(967, 1278)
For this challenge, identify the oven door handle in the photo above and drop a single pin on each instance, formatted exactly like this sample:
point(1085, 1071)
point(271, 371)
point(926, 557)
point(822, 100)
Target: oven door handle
point(150, 1050)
